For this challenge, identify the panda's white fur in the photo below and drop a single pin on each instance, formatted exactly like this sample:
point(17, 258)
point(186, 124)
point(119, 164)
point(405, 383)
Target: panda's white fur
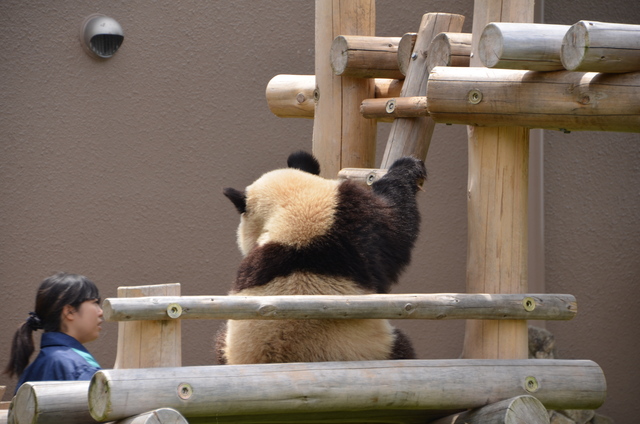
point(271, 341)
point(286, 206)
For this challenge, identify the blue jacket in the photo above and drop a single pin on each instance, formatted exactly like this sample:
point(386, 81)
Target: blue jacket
point(61, 357)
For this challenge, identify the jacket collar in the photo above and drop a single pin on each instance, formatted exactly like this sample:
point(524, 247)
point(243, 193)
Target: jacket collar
point(54, 338)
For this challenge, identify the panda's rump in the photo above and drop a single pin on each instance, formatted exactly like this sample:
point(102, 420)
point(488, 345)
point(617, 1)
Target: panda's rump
point(271, 341)
point(265, 341)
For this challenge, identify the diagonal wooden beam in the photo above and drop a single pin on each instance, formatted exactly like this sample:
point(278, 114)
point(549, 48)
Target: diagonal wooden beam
point(412, 136)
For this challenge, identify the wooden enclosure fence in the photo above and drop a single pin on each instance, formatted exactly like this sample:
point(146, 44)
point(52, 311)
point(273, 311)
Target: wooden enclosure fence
point(410, 391)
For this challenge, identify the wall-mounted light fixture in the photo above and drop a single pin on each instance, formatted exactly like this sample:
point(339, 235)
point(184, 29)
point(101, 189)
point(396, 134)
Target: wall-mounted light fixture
point(101, 36)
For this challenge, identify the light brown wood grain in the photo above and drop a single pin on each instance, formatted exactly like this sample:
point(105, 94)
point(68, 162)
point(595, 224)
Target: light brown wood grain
point(405, 50)
point(158, 416)
point(51, 402)
point(563, 100)
point(144, 344)
point(341, 136)
point(314, 388)
point(397, 107)
point(509, 45)
point(374, 306)
point(292, 96)
point(412, 136)
point(497, 208)
point(591, 46)
point(449, 49)
point(365, 57)
point(522, 409)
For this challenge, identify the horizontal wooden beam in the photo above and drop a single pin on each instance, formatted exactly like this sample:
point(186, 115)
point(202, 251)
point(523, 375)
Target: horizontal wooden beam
point(158, 416)
point(568, 101)
point(397, 107)
point(365, 57)
point(49, 402)
point(362, 175)
point(54, 402)
point(449, 49)
point(405, 51)
point(373, 306)
point(521, 409)
point(534, 47)
point(391, 416)
point(591, 46)
point(292, 96)
point(268, 389)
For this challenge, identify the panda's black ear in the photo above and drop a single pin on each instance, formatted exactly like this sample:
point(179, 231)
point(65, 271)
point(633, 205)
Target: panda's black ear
point(237, 197)
point(304, 161)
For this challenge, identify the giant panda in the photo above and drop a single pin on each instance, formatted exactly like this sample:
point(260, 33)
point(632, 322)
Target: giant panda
point(302, 234)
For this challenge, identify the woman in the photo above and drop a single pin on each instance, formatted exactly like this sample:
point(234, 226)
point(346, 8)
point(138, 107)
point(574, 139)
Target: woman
point(68, 310)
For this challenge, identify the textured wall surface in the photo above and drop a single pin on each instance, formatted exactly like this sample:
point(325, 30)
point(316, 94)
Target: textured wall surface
point(592, 234)
point(114, 169)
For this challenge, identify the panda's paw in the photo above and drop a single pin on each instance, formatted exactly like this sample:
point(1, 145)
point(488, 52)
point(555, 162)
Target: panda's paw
point(408, 169)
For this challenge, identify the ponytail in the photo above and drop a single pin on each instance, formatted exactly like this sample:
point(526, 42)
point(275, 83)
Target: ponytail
point(22, 348)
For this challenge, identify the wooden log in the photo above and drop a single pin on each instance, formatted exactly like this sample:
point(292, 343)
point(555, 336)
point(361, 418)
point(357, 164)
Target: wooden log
point(362, 175)
point(591, 46)
point(51, 402)
point(292, 96)
point(158, 416)
point(373, 306)
point(567, 101)
point(405, 50)
point(337, 386)
point(497, 234)
point(392, 416)
point(534, 47)
point(449, 49)
point(397, 107)
point(386, 87)
point(55, 402)
point(518, 410)
point(412, 136)
point(341, 136)
point(9, 417)
point(365, 57)
point(376, 109)
point(145, 344)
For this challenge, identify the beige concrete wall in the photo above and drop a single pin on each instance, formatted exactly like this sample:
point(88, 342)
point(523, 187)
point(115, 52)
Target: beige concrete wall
point(114, 169)
point(592, 234)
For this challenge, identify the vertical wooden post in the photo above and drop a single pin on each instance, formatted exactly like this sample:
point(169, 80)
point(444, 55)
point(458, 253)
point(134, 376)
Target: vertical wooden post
point(148, 344)
point(342, 138)
point(497, 208)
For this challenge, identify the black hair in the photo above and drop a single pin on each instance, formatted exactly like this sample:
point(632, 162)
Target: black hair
point(53, 295)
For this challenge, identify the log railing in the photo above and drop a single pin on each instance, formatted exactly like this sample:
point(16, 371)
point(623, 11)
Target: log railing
point(298, 392)
point(444, 306)
point(277, 390)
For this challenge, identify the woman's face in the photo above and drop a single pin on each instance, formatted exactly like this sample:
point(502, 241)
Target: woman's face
point(84, 323)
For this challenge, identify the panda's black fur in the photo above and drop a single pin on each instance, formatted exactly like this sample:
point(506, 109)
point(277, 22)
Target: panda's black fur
point(303, 234)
